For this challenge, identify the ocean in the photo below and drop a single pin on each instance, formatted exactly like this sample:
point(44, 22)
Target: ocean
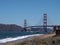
point(15, 34)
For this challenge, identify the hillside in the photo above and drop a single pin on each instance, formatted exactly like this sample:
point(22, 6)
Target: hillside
point(10, 27)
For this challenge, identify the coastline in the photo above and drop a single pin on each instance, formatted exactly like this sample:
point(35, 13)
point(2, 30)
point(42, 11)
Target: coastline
point(20, 41)
point(20, 38)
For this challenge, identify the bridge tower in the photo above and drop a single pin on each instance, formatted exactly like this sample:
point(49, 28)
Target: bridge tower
point(45, 22)
point(25, 25)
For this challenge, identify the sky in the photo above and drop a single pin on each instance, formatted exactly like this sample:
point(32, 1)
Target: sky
point(15, 11)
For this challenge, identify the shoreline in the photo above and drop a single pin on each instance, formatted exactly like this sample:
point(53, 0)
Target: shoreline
point(19, 41)
point(6, 40)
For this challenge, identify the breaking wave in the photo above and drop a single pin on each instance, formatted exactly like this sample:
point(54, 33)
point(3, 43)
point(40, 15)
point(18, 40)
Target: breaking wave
point(17, 38)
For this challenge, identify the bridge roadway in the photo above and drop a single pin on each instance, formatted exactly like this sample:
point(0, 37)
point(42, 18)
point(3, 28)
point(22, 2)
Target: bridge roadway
point(43, 26)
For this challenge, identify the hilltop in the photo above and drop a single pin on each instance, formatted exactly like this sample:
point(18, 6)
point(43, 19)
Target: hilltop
point(10, 27)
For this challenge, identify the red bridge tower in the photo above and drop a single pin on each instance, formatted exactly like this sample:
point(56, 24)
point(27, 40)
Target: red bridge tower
point(45, 22)
point(25, 23)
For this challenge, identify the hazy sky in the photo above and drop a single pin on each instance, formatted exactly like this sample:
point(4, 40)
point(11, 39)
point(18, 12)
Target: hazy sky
point(15, 11)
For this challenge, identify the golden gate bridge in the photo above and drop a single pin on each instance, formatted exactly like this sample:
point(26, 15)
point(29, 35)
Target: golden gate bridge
point(45, 25)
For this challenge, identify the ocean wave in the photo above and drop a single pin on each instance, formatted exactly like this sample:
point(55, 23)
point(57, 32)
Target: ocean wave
point(17, 38)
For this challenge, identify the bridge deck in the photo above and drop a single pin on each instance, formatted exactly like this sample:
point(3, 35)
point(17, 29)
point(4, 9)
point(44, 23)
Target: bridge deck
point(43, 26)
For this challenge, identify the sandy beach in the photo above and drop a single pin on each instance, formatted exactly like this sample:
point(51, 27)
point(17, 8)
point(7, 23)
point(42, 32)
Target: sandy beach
point(29, 41)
